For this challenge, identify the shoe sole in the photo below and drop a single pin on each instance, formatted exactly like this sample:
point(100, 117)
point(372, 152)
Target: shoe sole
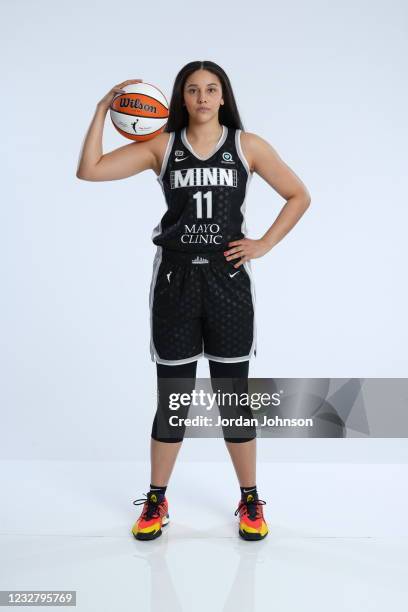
point(148, 536)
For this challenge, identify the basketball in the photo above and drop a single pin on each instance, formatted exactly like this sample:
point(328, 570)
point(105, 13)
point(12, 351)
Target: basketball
point(141, 113)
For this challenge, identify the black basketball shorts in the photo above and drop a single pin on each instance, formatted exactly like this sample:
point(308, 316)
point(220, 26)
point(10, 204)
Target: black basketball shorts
point(200, 305)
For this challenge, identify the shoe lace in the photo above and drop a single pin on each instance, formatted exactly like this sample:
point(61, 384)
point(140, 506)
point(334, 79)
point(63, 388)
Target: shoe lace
point(151, 510)
point(251, 508)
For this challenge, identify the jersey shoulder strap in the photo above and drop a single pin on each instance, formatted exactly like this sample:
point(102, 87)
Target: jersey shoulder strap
point(167, 153)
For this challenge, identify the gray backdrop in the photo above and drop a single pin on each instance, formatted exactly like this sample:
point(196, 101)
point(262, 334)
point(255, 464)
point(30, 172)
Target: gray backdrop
point(325, 84)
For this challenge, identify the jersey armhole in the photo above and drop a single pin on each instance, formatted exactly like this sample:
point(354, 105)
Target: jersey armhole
point(240, 151)
point(166, 157)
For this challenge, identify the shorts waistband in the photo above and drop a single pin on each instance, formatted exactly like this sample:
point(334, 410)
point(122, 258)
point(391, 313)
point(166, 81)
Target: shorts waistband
point(193, 258)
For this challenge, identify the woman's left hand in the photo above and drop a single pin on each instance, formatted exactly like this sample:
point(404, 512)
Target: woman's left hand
point(246, 249)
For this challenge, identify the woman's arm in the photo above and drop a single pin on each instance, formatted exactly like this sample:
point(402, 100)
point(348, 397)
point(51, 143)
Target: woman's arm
point(265, 161)
point(123, 162)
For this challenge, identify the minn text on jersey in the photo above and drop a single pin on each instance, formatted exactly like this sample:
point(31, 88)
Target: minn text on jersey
point(202, 177)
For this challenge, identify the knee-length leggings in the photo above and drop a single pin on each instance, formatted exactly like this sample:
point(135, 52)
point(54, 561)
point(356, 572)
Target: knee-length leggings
point(234, 379)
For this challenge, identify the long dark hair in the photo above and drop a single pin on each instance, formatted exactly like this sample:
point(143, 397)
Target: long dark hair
point(228, 114)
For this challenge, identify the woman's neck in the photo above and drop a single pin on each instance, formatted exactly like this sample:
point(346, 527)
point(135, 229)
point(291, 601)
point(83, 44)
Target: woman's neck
point(204, 133)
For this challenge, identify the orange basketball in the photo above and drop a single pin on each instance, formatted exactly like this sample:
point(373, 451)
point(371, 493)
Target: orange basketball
point(141, 113)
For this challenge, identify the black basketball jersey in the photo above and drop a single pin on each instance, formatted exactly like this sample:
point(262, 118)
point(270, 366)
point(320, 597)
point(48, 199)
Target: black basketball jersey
point(205, 196)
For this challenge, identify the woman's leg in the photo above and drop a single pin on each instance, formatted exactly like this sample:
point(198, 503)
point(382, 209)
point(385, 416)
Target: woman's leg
point(243, 456)
point(165, 444)
point(242, 450)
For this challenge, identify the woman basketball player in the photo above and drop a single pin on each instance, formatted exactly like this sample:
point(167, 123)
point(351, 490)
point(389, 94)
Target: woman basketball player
point(202, 296)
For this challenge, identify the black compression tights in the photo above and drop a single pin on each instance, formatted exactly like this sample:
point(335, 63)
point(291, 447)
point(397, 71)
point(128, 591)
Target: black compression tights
point(237, 373)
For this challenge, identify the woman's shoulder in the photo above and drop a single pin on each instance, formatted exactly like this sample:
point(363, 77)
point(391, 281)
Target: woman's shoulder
point(249, 144)
point(161, 139)
point(158, 146)
point(254, 146)
point(251, 139)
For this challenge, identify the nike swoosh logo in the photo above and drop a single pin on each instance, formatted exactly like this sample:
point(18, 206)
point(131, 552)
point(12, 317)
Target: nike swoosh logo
point(247, 490)
point(180, 158)
point(232, 275)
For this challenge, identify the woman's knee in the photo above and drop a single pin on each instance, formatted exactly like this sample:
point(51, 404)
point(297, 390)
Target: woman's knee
point(172, 380)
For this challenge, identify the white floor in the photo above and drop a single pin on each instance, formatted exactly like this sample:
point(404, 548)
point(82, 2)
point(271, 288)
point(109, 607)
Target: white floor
point(338, 537)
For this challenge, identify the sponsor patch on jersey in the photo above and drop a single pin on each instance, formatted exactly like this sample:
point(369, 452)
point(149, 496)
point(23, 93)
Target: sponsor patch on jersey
point(227, 158)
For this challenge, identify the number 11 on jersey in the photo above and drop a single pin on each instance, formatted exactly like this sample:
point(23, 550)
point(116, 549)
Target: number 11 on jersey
point(199, 199)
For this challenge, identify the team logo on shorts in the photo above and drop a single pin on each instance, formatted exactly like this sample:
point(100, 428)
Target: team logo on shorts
point(227, 158)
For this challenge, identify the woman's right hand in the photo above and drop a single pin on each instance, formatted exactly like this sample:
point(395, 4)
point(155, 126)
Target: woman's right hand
point(105, 102)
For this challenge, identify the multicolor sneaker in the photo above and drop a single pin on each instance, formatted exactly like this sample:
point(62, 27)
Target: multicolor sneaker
point(252, 525)
point(154, 515)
